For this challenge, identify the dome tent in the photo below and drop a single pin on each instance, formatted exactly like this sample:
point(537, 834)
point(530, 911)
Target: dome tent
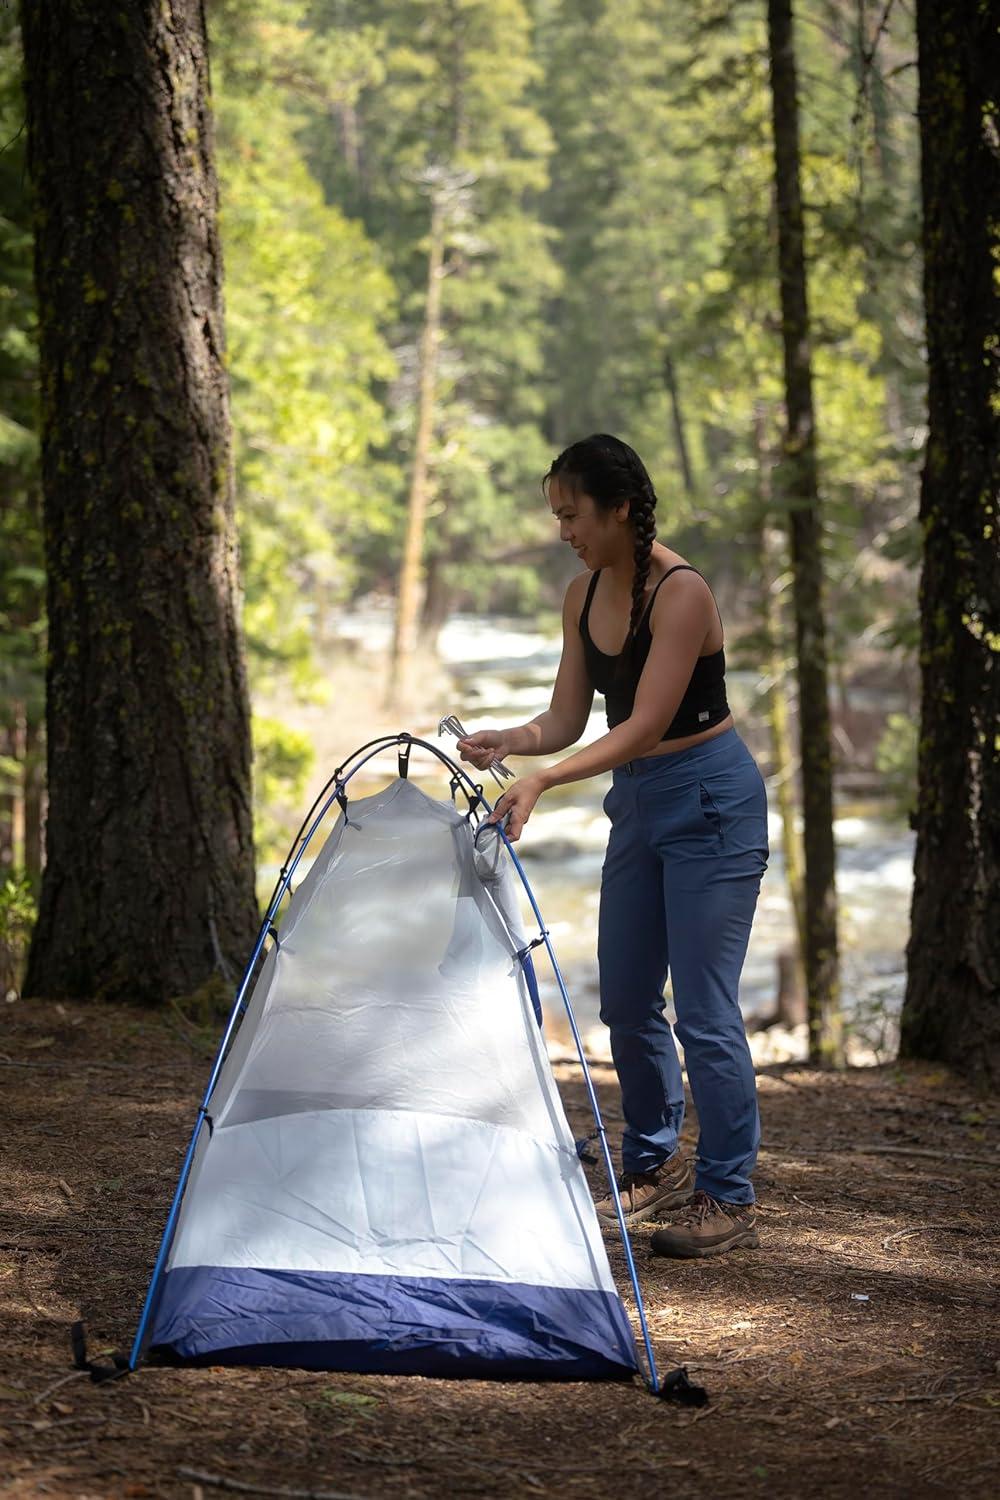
point(381, 1176)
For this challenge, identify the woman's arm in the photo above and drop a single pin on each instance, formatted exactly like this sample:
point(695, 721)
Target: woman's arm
point(565, 719)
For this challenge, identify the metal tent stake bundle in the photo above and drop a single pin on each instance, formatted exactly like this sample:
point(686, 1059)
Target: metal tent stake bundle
point(381, 1176)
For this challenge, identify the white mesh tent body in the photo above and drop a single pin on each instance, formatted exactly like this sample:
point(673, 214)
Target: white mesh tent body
point(385, 1179)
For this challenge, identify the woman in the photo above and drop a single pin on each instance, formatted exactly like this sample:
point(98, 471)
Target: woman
point(687, 850)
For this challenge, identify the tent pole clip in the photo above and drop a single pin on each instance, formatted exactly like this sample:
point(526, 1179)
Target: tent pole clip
point(456, 785)
point(403, 756)
point(537, 942)
point(475, 800)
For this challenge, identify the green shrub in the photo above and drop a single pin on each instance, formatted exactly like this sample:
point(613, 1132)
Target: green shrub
point(283, 759)
point(17, 918)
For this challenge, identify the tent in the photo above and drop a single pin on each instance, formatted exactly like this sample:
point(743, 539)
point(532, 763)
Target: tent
point(381, 1176)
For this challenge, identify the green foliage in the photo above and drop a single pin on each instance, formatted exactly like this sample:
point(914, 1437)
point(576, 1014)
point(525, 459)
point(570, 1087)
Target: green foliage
point(306, 297)
point(17, 918)
point(283, 760)
point(662, 190)
point(437, 114)
point(896, 759)
point(610, 263)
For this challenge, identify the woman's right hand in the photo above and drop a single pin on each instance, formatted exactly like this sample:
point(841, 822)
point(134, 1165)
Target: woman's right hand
point(483, 747)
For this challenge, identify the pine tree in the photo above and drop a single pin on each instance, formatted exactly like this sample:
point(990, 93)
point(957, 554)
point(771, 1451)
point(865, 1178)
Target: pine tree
point(443, 120)
point(149, 883)
point(801, 481)
point(952, 1006)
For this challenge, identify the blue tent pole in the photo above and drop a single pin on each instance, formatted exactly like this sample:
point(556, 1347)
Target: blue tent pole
point(234, 1016)
point(654, 1380)
point(338, 781)
point(299, 845)
point(441, 755)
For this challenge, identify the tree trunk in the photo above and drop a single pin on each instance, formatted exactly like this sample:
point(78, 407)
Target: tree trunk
point(7, 795)
point(34, 790)
point(408, 604)
point(952, 1006)
point(677, 417)
point(149, 880)
point(772, 565)
point(437, 603)
point(17, 818)
point(799, 479)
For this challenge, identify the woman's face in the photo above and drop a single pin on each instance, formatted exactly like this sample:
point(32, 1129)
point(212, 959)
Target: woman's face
point(595, 535)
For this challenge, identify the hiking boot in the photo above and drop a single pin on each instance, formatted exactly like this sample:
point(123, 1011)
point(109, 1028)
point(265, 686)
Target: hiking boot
point(708, 1228)
point(646, 1195)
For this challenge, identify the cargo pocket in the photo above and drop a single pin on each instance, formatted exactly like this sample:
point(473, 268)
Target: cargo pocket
point(710, 812)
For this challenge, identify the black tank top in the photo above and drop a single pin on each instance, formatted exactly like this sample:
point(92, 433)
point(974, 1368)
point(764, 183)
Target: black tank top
point(704, 703)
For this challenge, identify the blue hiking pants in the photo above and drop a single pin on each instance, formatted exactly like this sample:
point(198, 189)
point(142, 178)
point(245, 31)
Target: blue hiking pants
point(679, 886)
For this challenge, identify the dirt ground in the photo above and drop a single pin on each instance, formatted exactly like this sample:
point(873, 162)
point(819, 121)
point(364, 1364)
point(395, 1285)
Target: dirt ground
point(856, 1352)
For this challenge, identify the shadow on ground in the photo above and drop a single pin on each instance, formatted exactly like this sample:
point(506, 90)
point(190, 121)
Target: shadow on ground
point(854, 1353)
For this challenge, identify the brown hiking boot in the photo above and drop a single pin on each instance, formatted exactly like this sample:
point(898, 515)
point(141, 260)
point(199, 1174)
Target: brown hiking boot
point(708, 1228)
point(646, 1195)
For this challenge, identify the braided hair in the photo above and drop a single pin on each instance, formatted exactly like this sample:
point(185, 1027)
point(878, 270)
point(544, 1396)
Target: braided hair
point(610, 472)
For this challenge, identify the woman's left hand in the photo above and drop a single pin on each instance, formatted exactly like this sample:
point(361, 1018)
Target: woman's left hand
point(519, 799)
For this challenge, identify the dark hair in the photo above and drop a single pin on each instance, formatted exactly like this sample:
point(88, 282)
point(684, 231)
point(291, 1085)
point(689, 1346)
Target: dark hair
point(609, 471)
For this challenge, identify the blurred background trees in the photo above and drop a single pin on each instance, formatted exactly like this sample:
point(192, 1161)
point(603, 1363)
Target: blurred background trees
point(590, 188)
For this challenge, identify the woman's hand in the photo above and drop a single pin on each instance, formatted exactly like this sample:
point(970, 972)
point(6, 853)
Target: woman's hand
point(519, 799)
point(482, 748)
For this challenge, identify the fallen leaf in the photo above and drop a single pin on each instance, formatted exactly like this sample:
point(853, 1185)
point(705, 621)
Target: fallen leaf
point(42, 1041)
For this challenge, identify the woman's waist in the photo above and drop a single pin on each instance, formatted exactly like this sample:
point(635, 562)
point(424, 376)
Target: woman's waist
point(716, 752)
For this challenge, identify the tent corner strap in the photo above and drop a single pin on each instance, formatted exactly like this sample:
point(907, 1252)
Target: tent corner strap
point(675, 1385)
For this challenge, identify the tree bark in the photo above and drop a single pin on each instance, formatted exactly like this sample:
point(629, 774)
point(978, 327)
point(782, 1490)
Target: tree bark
point(677, 419)
point(149, 880)
point(437, 603)
point(34, 792)
point(798, 476)
point(408, 603)
point(6, 797)
point(951, 1010)
point(772, 566)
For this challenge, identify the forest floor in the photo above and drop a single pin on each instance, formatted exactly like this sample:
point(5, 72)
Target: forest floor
point(856, 1352)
